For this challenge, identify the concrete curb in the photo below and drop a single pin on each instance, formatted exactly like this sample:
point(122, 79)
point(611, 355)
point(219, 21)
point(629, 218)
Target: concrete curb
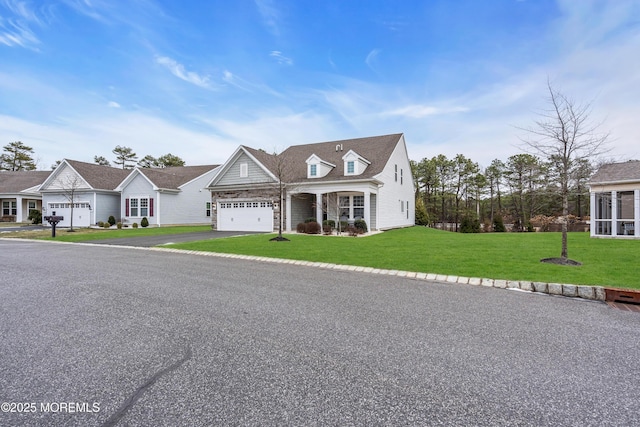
point(595, 293)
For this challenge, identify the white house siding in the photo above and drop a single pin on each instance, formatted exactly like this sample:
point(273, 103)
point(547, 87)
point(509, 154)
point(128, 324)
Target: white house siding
point(394, 194)
point(301, 209)
point(139, 186)
point(255, 173)
point(189, 205)
point(373, 212)
point(104, 205)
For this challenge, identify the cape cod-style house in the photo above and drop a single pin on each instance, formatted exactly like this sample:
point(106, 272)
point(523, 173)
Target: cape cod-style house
point(615, 200)
point(363, 178)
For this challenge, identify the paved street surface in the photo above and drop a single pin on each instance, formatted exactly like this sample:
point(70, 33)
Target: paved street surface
point(164, 239)
point(95, 335)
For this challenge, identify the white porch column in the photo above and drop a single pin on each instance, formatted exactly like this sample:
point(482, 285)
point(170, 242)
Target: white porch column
point(636, 213)
point(319, 207)
point(19, 217)
point(288, 212)
point(614, 213)
point(367, 209)
point(592, 213)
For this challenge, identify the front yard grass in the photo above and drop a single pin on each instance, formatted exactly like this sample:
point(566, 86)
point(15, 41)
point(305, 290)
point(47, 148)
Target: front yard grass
point(510, 256)
point(89, 234)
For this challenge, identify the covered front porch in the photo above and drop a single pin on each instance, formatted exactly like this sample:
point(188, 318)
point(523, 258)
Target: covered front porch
point(18, 208)
point(346, 205)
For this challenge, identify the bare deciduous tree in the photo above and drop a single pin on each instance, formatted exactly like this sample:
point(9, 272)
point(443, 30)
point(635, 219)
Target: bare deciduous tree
point(565, 135)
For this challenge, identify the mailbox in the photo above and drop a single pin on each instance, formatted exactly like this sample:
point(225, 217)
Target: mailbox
point(53, 220)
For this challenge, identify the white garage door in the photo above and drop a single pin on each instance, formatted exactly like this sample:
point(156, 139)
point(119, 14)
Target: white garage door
point(81, 214)
point(245, 216)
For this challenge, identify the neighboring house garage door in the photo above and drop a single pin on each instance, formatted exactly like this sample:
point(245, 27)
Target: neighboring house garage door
point(245, 216)
point(81, 214)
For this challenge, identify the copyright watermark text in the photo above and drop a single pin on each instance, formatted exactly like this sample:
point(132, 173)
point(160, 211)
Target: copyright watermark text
point(50, 407)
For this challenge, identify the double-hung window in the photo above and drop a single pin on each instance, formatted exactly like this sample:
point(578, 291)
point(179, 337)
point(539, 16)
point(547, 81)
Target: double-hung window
point(358, 207)
point(144, 207)
point(313, 170)
point(351, 169)
point(133, 207)
point(208, 209)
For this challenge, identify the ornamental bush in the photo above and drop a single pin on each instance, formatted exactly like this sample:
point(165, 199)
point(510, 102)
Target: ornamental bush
point(112, 220)
point(469, 225)
point(310, 219)
point(360, 225)
point(498, 224)
point(135, 225)
point(119, 225)
point(312, 228)
point(144, 222)
point(35, 216)
point(301, 227)
point(106, 225)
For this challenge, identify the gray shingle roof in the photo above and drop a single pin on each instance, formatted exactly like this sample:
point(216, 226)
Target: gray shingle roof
point(617, 172)
point(15, 182)
point(173, 177)
point(375, 149)
point(99, 177)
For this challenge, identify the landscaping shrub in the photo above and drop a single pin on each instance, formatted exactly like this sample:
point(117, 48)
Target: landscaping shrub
point(135, 225)
point(360, 225)
point(498, 224)
point(100, 224)
point(112, 220)
point(144, 222)
point(119, 225)
point(301, 227)
point(352, 231)
point(310, 219)
point(35, 216)
point(331, 223)
point(470, 225)
point(344, 225)
point(106, 225)
point(312, 228)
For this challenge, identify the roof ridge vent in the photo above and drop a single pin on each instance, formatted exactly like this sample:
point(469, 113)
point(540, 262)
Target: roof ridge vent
point(339, 147)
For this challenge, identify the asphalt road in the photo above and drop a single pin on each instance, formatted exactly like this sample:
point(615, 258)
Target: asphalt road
point(163, 339)
point(164, 239)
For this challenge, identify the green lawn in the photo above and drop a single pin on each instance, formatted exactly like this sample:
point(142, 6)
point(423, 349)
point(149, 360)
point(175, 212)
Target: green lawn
point(513, 256)
point(88, 234)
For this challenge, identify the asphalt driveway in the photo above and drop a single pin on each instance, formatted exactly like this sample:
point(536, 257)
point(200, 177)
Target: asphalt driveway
point(165, 239)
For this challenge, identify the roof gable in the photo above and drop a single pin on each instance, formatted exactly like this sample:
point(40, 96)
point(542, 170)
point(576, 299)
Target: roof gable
point(260, 162)
point(96, 177)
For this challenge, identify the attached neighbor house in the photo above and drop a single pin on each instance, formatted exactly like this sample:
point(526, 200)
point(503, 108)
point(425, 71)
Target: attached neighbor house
point(364, 178)
point(173, 195)
point(615, 200)
point(19, 194)
point(91, 189)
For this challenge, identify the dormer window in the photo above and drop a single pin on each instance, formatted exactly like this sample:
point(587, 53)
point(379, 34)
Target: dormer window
point(354, 164)
point(318, 168)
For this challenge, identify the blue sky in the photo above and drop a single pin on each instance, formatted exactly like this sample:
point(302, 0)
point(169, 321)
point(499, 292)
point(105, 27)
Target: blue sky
point(196, 79)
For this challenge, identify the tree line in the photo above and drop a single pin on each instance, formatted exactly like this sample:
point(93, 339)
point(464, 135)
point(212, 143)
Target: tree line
point(515, 190)
point(18, 156)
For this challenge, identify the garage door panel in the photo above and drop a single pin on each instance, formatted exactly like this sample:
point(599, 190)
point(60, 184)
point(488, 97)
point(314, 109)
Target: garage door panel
point(245, 216)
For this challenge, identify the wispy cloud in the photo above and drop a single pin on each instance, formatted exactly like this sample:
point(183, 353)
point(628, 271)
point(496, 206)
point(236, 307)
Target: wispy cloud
point(281, 58)
point(419, 111)
point(15, 29)
point(113, 104)
point(270, 15)
point(371, 59)
point(179, 71)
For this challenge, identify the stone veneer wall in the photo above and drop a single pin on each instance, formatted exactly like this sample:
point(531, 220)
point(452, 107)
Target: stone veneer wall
point(245, 195)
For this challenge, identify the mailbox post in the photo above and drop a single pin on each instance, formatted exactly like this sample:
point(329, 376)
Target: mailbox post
point(53, 220)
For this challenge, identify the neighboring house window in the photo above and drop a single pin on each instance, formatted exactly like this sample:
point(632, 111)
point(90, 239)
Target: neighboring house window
point(401, 177)
point(31, 206)
point(9, 208)
point(351, 167)
point(396, 173)
point(358, 207)
point(208, 209)
point(407, 209)
point(144, 207)
point(133, 207)
point(244, 170)
point(139, 206)
point(313, 170)
point(401, 206)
